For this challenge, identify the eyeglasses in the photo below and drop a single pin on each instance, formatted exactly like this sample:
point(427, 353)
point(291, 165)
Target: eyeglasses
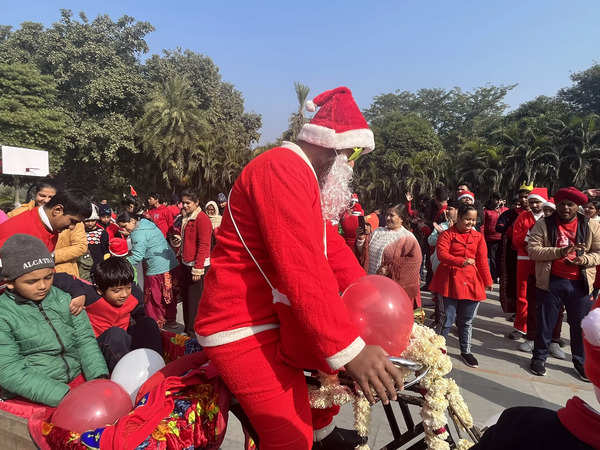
point(357, 151)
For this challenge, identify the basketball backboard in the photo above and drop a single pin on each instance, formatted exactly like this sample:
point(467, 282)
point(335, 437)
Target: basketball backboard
point(24, 161)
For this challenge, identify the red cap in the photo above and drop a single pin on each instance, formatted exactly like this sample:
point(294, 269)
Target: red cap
point(539, 193)
point(465, 194)
point(571, 193)
point(118, 247)
point(338, 124)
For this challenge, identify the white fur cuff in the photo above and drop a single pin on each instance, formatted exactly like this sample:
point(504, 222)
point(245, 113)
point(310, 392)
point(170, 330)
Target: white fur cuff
point(346, 355)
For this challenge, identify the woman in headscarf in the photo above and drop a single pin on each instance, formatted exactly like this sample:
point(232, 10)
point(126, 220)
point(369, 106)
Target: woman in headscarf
point(212, 211)
point(393, 251)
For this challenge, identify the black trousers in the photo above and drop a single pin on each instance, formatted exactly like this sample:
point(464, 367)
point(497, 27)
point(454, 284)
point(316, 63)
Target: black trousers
point(192, 291)
point(574, 296)
point(116, 342)
point(494, 253)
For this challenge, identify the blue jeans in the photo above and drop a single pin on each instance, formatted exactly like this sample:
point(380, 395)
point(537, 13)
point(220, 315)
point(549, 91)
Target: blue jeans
point(463, 312)
point(574, 295)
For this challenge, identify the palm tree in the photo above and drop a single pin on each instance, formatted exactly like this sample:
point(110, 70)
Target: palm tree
point(297, 119)
point(580, 151)
point(174, 130)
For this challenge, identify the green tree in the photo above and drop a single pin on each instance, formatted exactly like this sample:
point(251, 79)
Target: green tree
point(584, 95)
point(174, 131)
point(297, 119)
point(580, 152)
point(29, 114)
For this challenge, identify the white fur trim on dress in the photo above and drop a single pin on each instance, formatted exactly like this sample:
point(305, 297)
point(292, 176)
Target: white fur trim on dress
point(537, 197)
point(460, 197)
point(591, 327)
point(346, 355)
point(228, 336)
point(328, 138)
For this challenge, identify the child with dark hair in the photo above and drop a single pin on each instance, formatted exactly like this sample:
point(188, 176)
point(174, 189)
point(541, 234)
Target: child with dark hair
point(105, 220)
point(159, 213)
point(40, 194)
point(65, 210)
point(43, 347)
point(117, 316)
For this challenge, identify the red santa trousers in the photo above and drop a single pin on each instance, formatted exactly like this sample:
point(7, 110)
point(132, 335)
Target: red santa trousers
point(525, 318)
point(273, 395)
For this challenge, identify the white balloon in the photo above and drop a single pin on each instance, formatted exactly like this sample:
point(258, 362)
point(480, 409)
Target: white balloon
point(134, 368)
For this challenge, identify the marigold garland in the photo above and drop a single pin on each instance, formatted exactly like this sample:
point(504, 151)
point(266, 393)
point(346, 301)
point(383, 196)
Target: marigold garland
point(440, 393)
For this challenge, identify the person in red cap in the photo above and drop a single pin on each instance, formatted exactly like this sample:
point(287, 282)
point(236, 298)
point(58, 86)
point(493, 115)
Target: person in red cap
point(466, 197)
point(574, 427)
point(566, 251)
point(271, 305)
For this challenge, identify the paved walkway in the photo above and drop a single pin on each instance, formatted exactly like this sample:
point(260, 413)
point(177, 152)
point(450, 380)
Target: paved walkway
point(501, 381)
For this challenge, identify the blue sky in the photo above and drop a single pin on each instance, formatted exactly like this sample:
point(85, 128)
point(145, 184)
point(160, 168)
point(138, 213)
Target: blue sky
point(262, 47)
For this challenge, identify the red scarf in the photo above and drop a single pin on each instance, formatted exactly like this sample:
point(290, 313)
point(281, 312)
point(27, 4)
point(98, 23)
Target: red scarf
point(581, 421)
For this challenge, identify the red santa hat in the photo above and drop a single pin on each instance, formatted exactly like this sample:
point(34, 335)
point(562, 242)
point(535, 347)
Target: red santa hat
point(549, 204)
point(538, 193)
point(118, 247)
point(465, 194)
point(571, 193)
point(591, 342)
point(354, 198)
point(338, 124)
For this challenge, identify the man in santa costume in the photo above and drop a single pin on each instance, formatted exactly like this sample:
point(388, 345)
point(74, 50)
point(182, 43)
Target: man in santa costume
point(566, 251)
point(574, 427)
point(271, 305)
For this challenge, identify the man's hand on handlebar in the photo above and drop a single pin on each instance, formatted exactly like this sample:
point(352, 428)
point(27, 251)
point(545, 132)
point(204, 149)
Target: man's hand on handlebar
point(372, 368)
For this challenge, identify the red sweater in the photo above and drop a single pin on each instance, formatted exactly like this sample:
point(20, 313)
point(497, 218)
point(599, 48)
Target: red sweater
point(103, 315)
point(521, 227)
point(162, 218)
point(451, 279)
point(196, 237)
point(30, 223)
point(277, 207)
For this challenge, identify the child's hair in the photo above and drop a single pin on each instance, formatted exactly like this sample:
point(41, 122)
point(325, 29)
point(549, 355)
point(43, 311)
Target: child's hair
point(72, 203)
point(191, 194)
point(155, 195)
point(125, 217)
point(464, 208)
point(114, 271)
point(453, 204)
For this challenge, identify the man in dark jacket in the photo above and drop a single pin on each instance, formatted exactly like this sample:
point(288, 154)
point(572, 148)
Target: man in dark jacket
point(43, 347)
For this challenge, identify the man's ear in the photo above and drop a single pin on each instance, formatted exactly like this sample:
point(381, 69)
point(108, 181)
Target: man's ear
point(57, 210)
point(10, 285)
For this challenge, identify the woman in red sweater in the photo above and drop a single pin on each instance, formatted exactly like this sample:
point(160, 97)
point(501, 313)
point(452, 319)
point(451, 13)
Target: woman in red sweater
point(194, 254)
point(462, 277)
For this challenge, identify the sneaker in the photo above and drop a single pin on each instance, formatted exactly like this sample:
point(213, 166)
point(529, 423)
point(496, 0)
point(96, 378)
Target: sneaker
point(469, 359)
point(580, 371)
point(556, 351)
point(537, 367)
point(561, 342)
point(526, 346)
point(515, 335)
point(341, 439)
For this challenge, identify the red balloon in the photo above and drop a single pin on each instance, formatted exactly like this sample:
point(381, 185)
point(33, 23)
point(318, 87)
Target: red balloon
point(92, 405)
point(383, 312)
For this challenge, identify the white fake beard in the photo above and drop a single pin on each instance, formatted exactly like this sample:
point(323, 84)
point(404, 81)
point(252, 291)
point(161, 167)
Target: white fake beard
point(336, 193)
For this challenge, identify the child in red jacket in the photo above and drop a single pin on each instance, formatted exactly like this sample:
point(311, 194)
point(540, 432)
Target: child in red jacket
point(117, 317)
point(462, 277)
point(194, 254)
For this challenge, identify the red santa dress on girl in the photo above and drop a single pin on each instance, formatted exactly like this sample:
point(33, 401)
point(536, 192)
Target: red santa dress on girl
point(271, 305)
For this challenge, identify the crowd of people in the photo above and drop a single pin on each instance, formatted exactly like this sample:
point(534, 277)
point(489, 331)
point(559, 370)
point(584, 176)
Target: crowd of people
point(259, 275)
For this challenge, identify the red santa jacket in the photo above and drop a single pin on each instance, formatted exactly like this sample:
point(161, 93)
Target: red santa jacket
point(112, 229)
point(276, 206)
point(30, 223)
point(521, 227)
point(103, 315)
point(162, 218)
point(453, 280)
point(349, 224)
point(196, 237)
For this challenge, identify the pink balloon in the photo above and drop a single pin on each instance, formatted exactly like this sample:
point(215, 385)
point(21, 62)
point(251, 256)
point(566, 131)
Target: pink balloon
point(91, 405)
point(383, 312)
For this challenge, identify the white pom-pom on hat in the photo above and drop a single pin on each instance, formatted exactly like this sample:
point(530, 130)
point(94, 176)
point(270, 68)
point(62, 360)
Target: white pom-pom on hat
point(591, 327)
point(310, 106)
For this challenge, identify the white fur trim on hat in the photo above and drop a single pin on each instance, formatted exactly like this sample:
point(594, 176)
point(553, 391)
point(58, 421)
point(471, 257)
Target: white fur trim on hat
point(310, 106)
point(536, 197)
point(460, 197)
point(94, 215)
point(549, 205)
point(328, 138)
point(591, 327)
